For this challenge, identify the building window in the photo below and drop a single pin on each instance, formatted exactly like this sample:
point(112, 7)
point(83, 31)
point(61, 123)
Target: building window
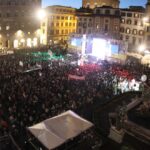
point(52, 24)
point(7, 27)
point(141, 32)
point(148, 38)
point(66, 24)
point(148, 29)
point(122, 20)
point(97, 11)
point(128, 31)
point(129, 21)
point(66, 31)
point(107, 12)
point(122, 29)
point(84, 25)
point(123, 14)
point(129, 14)
point(79, 24)
point(57, 24)
point(58, 17)
point(85, 19)
point(121, 37)
point(136, 15)
point(89, 25)
point(57, 31)
point(135, 22)
point(117, 12)
point(134, 31)
point(80, 31)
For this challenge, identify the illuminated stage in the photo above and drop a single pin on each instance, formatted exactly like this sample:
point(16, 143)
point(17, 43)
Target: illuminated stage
point(98, 47)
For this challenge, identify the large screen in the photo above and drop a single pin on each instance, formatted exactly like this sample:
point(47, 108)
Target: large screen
point(114, 49)
point(76, 42)
point(101, 48)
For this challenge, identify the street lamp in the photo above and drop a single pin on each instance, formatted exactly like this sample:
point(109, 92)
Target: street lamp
point(145, 19)
point(41, 14)
point(19, 33)
point(142, 48)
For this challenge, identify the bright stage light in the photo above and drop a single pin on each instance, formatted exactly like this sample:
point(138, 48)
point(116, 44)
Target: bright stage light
point(99, 48)
point(41, 14)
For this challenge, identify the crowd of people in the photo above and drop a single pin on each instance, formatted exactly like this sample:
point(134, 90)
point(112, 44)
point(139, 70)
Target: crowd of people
point(27, 98)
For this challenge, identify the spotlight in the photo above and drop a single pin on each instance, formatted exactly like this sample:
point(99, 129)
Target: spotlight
point(41, 14)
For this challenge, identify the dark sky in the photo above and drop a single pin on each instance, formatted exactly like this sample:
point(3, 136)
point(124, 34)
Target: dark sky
point(78, 3)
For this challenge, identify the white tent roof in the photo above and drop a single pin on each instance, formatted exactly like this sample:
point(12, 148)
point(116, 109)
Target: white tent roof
point(55, 131)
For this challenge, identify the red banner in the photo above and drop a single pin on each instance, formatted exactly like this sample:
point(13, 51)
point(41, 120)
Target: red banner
point(75, 77)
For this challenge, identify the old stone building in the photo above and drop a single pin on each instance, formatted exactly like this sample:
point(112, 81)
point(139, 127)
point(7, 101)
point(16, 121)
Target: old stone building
point(132, 28)
point(101, 21)
point(18, 23)
point(99, 3)
point(58, 24)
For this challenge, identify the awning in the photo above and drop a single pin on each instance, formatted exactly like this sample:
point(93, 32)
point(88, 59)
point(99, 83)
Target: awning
point(55, 131)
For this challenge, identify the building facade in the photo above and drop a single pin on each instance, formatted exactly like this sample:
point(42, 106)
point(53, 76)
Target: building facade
point(18, 23)
point(59, 23)
point(101, 21)
point(132, 28)
point(147, 24)
point(99, 3)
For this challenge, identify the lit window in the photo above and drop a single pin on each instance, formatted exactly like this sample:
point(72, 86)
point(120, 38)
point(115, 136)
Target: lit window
point(129, 21)
point(7, 27)
point(128, 30)
point(136, 15)
point(134, 31)
point(141, 32)
point(122, 20)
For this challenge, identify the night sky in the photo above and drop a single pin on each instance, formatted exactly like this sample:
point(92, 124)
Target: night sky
point(78, 3)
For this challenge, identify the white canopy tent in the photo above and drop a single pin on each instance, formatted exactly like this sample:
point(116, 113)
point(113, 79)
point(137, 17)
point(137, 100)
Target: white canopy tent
point(55, 131)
